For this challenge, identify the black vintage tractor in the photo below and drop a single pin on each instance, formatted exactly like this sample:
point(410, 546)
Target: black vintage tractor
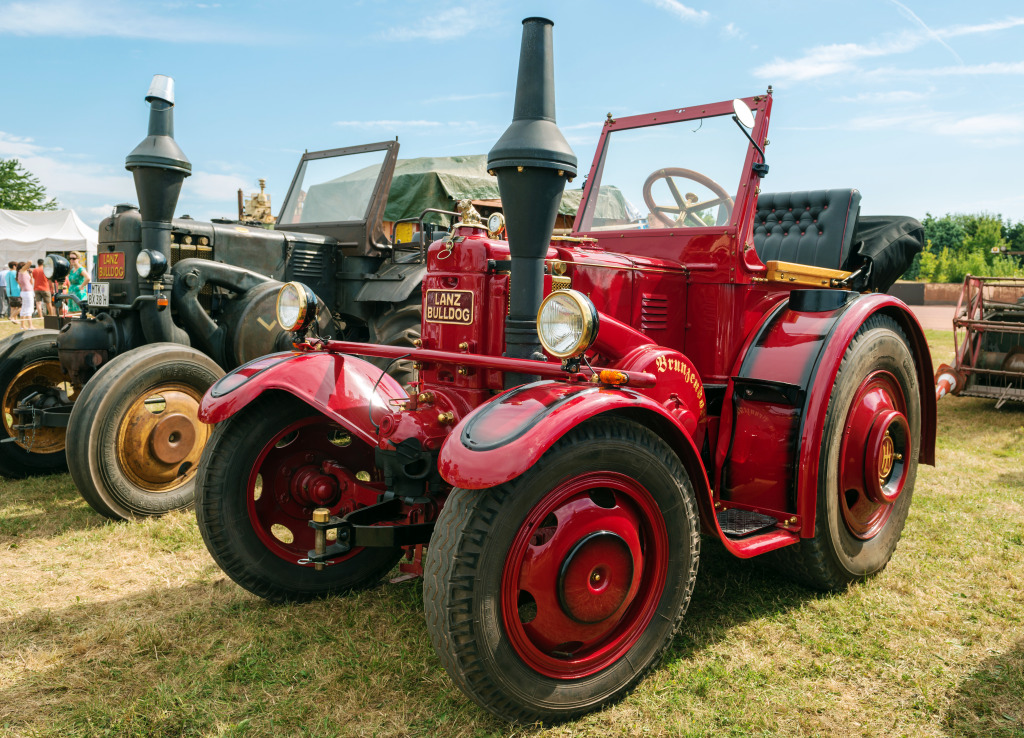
point(174, 303)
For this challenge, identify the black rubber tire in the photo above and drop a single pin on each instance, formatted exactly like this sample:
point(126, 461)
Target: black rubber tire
point(97, 415)
point(469, 547)
point(834, 558)
point(399, 325)
point(224, 521)
point(17, 352)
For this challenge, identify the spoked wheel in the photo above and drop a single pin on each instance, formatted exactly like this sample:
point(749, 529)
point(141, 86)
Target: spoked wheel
point(554, 594)
point(263, 473)
point(134, 438)
point(30, 370)
point(868, 462)
point(687, 209)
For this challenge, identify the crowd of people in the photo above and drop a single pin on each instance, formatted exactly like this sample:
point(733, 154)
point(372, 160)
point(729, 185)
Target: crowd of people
point(25, 291)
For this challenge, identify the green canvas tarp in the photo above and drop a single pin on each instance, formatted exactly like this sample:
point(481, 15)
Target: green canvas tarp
point(436, 182)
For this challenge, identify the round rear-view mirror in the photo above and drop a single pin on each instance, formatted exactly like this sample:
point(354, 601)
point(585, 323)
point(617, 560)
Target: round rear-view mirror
point(743, 113)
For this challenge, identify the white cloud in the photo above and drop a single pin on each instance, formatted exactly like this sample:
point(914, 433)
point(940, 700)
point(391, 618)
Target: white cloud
point(729, 30)
point(1005, 128)
point(823, 61)
point(446, 25)
point(216, 187)
point(964, 71)
point(81, 19)
point(680, 11)
point(884, 98)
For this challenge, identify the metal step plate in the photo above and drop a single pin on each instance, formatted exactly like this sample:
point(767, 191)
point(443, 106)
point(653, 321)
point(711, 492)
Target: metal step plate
point(740, 523)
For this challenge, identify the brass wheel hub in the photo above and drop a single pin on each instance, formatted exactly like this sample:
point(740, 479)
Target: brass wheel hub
point(160, 438)
point(39, 375)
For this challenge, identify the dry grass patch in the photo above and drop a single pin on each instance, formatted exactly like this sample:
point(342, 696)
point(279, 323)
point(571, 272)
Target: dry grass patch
point(131, 630)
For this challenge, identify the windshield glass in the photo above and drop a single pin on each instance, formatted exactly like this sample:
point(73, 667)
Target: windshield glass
point(333, 190)
point(667, 176)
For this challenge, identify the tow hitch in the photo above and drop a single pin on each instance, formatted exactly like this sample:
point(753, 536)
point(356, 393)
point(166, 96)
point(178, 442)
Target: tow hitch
point(50, 408)
point(381, 525)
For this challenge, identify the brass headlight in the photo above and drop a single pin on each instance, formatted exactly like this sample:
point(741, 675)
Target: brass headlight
point(567, 323)
point(296, 306)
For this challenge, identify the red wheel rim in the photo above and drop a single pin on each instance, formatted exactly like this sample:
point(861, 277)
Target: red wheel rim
point(584, 575)
point(874, 455)
point(286, 484)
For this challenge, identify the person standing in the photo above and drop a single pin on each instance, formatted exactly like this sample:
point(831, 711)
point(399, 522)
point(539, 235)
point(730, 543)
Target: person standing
point(13, 291)
point(41, 287)
point(78, 280)
point(28, 301)
point(4, 307)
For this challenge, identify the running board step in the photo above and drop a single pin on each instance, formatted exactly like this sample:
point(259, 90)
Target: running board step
point(741, 523)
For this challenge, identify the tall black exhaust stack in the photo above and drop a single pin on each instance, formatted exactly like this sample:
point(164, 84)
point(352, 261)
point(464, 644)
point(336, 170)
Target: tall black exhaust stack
point(532, 161)
point(159, 167)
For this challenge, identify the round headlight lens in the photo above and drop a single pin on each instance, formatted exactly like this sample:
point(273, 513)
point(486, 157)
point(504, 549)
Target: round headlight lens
point(567, 323)
point(296, 306)
point(150, 264)
point(56, 267)
point(143, 263)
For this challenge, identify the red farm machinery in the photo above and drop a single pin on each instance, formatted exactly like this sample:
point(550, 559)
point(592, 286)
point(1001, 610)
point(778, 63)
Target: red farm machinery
point(587, 407)
point(988, 331)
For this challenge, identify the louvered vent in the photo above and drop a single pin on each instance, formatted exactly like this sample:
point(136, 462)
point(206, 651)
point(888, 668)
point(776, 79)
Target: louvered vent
point(307, 263)
point(654, 312)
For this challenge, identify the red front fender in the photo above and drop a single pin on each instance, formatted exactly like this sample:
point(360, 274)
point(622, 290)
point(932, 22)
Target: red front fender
point(503, 438)
point(342, 387)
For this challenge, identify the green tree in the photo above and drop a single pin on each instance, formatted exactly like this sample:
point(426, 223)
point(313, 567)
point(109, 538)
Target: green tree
point(19, 190)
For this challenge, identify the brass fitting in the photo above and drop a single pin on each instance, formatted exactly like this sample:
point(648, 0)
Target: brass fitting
point(464, 346)
point(463, 371)
point(417, 342)
point(320, 515)
point(446, 418)
point(425, 397)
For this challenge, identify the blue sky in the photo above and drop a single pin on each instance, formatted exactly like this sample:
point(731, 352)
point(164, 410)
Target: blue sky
point(918, 105)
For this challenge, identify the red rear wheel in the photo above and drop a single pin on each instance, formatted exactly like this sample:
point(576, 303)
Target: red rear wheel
point(868, 462)
point(555, 593)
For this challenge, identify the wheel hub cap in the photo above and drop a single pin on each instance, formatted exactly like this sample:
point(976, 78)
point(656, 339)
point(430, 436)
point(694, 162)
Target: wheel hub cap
point(595, 578)
point(874, 455)
point(172, 438)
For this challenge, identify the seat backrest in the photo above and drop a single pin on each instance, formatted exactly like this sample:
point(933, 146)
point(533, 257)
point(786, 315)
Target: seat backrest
point(814, 227)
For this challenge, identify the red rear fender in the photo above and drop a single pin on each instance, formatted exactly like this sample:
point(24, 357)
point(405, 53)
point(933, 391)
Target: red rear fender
point(503, 438)
point(342, 387)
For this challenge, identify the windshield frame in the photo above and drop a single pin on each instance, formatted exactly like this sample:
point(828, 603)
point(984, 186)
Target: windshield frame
point(386, 169)
point(747, 180)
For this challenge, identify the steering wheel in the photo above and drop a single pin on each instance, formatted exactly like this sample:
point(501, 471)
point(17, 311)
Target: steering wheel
point(686, 208)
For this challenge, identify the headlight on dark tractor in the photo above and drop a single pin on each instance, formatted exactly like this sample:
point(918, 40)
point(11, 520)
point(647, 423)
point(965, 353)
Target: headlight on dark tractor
point(56, 267)
point(296, 306)
point(150, 264)
point(567, 323)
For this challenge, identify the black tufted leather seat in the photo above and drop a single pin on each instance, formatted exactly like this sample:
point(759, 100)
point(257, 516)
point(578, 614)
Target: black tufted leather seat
point(813, 228)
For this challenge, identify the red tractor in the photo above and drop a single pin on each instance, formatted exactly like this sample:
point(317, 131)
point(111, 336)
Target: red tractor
point(589, 406)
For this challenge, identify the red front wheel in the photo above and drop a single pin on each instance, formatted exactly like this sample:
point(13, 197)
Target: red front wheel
point(555, 593)
point(262, 474)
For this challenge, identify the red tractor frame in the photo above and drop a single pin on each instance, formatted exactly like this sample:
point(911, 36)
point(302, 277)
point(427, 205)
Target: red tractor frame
point(692, 382)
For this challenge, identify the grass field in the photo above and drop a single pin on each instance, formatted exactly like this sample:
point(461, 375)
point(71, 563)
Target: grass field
point(132, 630)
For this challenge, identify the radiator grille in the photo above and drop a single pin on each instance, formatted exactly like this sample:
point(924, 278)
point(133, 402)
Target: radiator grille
point(307, 263)
point(654, 312)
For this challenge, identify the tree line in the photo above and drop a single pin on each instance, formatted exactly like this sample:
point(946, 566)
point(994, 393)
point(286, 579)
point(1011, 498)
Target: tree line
point(958, 244)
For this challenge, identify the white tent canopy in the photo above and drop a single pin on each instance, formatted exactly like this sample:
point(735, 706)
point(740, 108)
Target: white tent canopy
point(27, 235)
